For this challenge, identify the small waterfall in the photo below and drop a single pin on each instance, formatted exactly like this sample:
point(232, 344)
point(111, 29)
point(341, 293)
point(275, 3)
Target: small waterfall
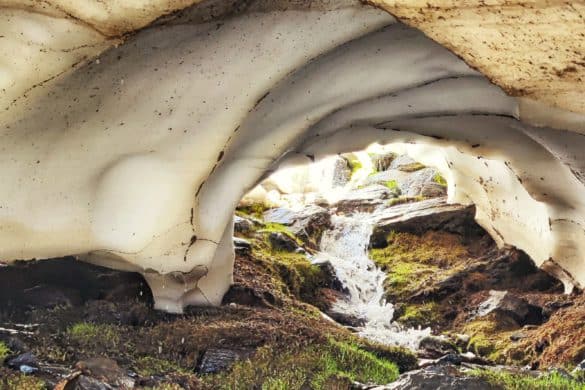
point(346, 248)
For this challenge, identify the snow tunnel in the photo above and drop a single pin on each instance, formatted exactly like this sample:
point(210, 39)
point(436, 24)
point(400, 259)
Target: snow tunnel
point(136, 157)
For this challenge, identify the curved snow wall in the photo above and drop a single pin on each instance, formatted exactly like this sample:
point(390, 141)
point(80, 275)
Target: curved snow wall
point(137, 159)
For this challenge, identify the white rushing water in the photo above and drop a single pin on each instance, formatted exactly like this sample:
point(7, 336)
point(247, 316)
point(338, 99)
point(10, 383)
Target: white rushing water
point(346, 247)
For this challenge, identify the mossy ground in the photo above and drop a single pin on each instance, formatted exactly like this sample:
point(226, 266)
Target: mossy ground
point(519, 381)
point(412, 261)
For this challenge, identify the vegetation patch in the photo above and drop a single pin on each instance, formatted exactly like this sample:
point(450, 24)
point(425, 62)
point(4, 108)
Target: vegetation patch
point(393, 186)
point(149, 365)
point(17, 381)
point(89, 334)
point(315, 367)
point(509, 381)
point(354, 165)
point(439, 179)
point(490, 338)
point(255, 210)
point(420, 315)
point(4, 351)
point(410, 261)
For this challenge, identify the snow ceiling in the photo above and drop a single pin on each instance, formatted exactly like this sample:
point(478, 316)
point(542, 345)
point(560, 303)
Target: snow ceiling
point(129, 146)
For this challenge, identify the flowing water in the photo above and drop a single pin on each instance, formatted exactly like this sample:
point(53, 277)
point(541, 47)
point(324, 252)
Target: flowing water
point(346, 247)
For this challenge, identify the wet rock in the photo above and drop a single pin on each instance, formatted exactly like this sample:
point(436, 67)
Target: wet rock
point(333, 281)
point(25, 359)
point(282, 242)
point(103, 371)
point(436, 346)
point(220, 359)
point(308, 223)
point(346, 319)
point(242, 246)
point(242, 225)
point(512, 306)
point(579, 370)
point(438, 377)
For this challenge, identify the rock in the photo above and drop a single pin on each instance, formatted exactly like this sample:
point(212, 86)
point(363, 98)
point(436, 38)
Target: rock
point(364, 199)
point(510, 305)
point(247, 296)
point(341, 172)
point(414, 182)
point(83, 382)
point(242, 225)
point(241, 245)
point(436, 346)
point(382, 161)
point(220, 359)
point(24, 359)
point(104, 370)
point(308, 223)
point(404, 163)
point(44, 296)
point(282, 242)
point(438, 377)
point(419, 217)
point(333, 281)
point(346, 319)
point(433, 190)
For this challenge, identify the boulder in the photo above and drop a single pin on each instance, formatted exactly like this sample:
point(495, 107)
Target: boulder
point(333, 281)
point(508, 304)
point(385, 176)
point(419, 217)
point(282, 242)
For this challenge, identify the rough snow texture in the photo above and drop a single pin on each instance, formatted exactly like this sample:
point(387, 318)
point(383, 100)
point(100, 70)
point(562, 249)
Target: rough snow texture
point(137, 160)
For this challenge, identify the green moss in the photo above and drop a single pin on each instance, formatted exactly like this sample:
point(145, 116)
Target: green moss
point(490, 338)
point(404, 358)
point(148, 365)
point(255, 210)
point(355, 165)
point(404, 199)
point(89, 334)
point(509, 381)
point(439, 179)
point(4, 351)
point(393, 186)
point(316, 366)
point(21, 382)
point(422, 315)
point(411, 261)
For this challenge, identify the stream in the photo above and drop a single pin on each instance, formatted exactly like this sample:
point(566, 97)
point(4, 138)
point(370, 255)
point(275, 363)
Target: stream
point(346, 248)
